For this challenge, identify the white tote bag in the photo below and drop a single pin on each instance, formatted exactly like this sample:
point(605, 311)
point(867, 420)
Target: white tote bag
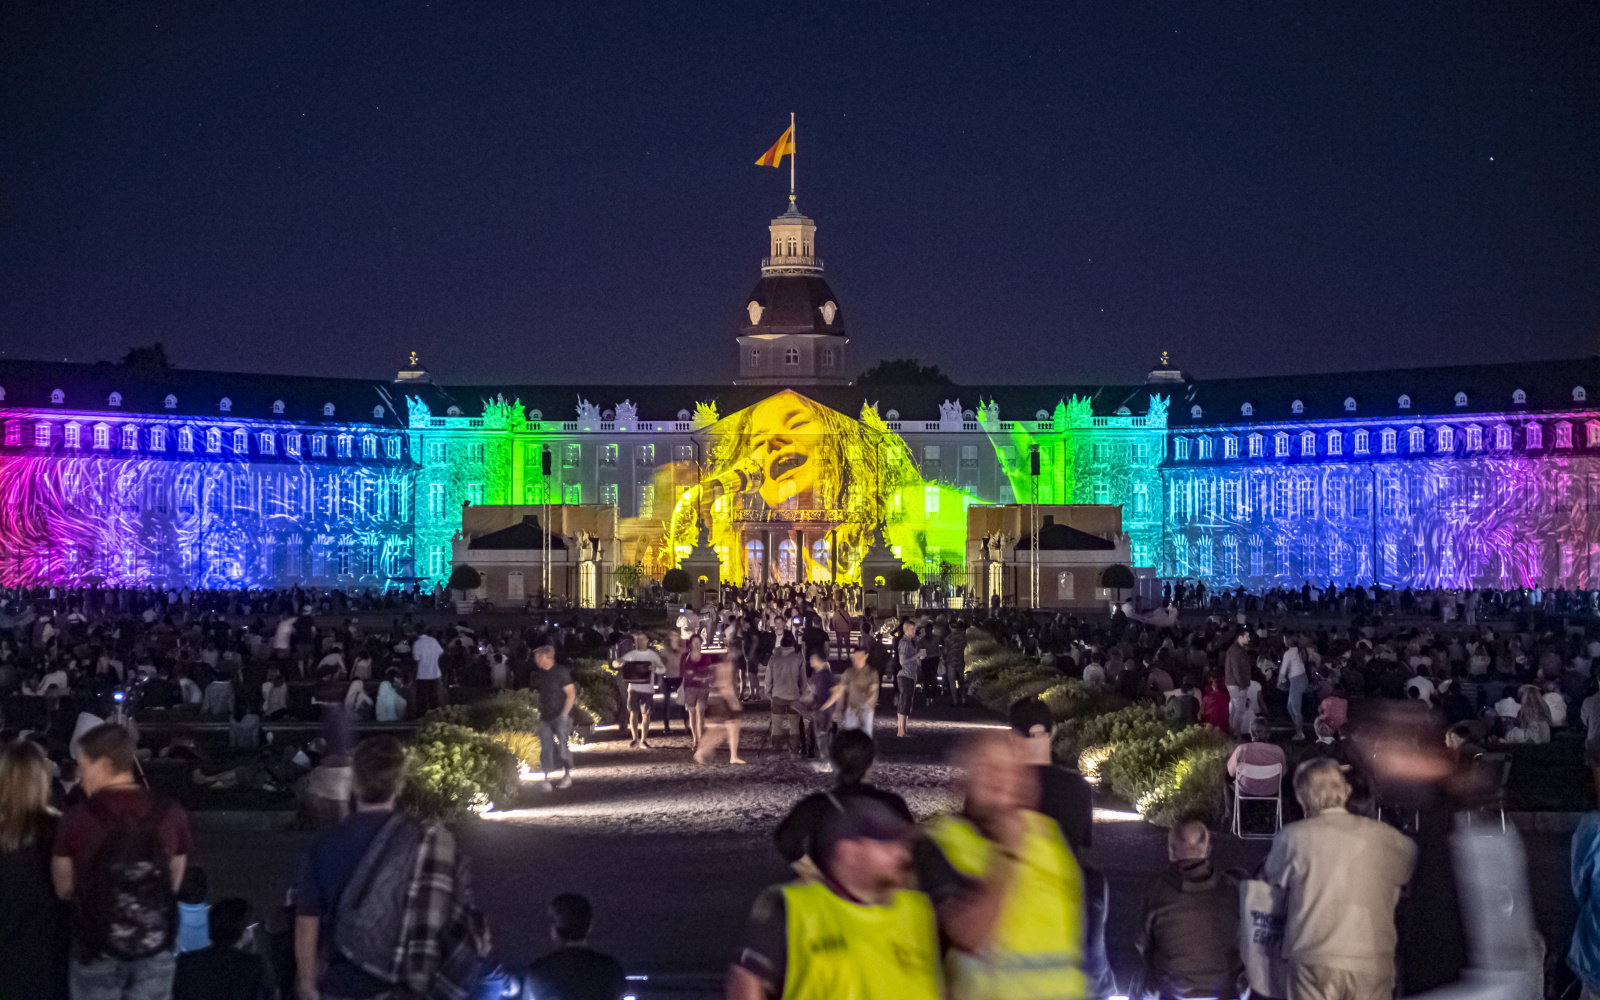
point(1263, 909)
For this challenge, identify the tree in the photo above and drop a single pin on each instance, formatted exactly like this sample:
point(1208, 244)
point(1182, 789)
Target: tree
point(464, 578)
point(904, 371)
point(151, 358)
point(1118, 578)
point(904, 580)
point(675, 581)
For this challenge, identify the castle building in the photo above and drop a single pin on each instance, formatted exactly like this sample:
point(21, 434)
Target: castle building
point(1443, 477)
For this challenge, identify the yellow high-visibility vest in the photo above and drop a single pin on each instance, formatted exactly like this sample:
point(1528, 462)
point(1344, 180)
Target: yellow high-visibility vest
point(839, 950)
point(1037, 949)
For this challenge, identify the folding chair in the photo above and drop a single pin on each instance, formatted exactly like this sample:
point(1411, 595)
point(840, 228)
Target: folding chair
point(1254, 773)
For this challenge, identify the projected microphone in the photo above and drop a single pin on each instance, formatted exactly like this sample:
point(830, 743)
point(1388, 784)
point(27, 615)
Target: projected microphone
point(743, 477)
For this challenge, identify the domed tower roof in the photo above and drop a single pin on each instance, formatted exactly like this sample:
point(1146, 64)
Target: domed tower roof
point(792, 296)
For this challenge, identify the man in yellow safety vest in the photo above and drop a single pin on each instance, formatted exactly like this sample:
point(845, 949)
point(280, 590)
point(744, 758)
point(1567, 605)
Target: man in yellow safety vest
point(857, 934)
point(1018, 933)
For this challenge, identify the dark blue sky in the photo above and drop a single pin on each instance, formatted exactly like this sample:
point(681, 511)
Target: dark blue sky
point(543, 192)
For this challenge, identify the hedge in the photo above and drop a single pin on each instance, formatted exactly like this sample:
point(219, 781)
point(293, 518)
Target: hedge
point(453, 769)
point(1134, 752)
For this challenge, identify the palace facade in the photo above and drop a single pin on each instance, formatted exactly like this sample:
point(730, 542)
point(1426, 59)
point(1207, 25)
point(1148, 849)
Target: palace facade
point(1453, 476)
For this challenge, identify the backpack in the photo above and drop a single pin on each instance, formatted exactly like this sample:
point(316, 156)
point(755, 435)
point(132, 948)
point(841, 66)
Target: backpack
point(127, 909)
point(370, 913)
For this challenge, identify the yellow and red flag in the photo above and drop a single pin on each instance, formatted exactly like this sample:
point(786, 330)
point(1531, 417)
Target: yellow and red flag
point(783, 147)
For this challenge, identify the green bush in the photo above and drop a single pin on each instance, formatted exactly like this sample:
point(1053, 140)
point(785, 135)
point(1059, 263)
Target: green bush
point(904, 580)
point(451, 770)
point(597, 694)
point(676, 581)
point(1001, 676)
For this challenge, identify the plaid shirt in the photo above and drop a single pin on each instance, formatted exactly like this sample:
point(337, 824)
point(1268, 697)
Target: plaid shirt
point(443, 935)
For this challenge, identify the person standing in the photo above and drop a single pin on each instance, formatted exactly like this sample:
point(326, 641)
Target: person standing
point(1293, 672)
point(905, 679)
point(1189, 934)
point(119, 856)
point(384, 903)
point(786, 679)
point(34, 932)
point(640, 666)
point(799, 833)
point(1342, 874)
point(1236, 672)
point(671, 679)
point(558, 693)
point(426, 651)
point(574, 971)
point(857, 932)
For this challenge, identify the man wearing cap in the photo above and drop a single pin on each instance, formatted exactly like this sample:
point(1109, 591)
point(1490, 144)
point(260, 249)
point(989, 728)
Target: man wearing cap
point(1019, 932)
point(857, 934)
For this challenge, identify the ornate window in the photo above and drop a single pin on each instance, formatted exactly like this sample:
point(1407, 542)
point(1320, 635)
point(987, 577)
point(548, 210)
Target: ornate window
point(102, 436)
point(1518, 397)
point(1404, 402)
point(214, 439)
point(369, 446)
point(1461, 399)
point(1418, 440)
point(130, 438)
point(1349, 404)
point(1230, 446)
point(57, 397)
point(241, 441)
point(319, 445)
point(1203, 452)
point(1247, 410)
point(344, 445)
point(1280, 444)
point(327, 409)
point(1335, 443)
point(225, 404)
point(1579, 395)
point(41, 434)
point(115, 399)
point(158, 439)
point(1447, 439)
point(755, 355)
point(391, 447)
point(267, 443)
point(71, 436)
point(1361, 442)
point(1308, 444)
point(1194, 412)
point(1297, 407)
point(1474, 438)
point(1502, 437)
point(1592, 429)
point(186, 439)
point(1256, 445)
point(1180, 449)
point(1389, 441)
point(1563, 435)
point(171, 402)
point(1534, 437)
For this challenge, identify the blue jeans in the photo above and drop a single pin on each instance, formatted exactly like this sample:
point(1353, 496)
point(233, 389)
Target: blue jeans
point(553, 744)
point(110, 979)
point(1297, 703)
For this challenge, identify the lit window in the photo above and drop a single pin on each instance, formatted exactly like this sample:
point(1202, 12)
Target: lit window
point(1417, 440)
point(57, 397)
point(475, 494)
point(1140, 452)
point(1102, 493)
point(644, 455)
point(267, 443)
point(102, 436)
point(1447, 439)
point(791, 356)
point(1308, 444)
point(608, 493)
point(1461, 399)
point(647, 500)
point(1230, 447)
point(571, 456)
point(1195, 412)
point(436, 499)
point(115, 399)
point(608, 456)
point(1141, 499)
point(225, 404)
point(1535, 437)
point(186, 439)
point(369, 446)
point(1100, 451)
point(1180, 449)
point(1474, 438)
point(214, 440)
point(475, 451)
point(319, 445)
point(1563, 435)
point(930, 500)
point(241, 442)
point(1335, 443)
point(1204, 450)
point(171, 402)
point(1361, 442)
point(1280, 444)
point(1350, 404)
point(130, 438)
point(158, 439)
point(1257, 444)
point(1502, 437)
point(41, 435)
point(1390, 441)
point(391, 447)
point(1519, 397)
point(291, 444)
point(1579, 394)
point(71, 435)
point(1247, 410)
point(344, 445)
point(1405, 402)
point(1297, 407)
point(572, 493)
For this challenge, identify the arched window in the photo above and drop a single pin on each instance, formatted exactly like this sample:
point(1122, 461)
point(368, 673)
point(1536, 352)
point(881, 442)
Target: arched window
point(1064, 586)
point(1579, 395)
point(1308, 444)
point(71, 435)
point(57, 397)
point(1194, 412)
point(327, 409)
point(1361, 441)
point(171, 402)
point(277, 406)
point(1297, 407)
point(1247, 410)
point(1404, 402)
point(755, 355)
point(1349, 404)
point(1461, 399)
point(754, 550)
point(241, 442)
point(225, 404)
point(115, 399)
point(1519, 397)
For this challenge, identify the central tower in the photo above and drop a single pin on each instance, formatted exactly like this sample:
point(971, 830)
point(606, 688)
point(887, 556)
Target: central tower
point(792, 331)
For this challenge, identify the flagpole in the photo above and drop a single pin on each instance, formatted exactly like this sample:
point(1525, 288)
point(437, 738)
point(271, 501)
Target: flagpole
point(792, 147)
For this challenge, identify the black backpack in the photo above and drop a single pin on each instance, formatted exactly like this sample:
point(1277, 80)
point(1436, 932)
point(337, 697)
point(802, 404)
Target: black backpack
point(127, 909)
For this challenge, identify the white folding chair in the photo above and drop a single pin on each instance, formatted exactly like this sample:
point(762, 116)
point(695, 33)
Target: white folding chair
point(1257, 773)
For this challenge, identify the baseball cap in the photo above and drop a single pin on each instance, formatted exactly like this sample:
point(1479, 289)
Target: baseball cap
point(860, 818)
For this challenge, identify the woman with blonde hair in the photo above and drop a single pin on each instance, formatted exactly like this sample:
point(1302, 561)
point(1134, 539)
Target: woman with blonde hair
point(1533, 717)
point(33, 921)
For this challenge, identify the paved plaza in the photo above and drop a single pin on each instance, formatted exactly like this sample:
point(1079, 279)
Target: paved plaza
point(672, 854)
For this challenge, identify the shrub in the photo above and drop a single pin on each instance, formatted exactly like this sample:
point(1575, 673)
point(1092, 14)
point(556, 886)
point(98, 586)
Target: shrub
point(451, 769)
point(464, 578)
point(1073, 699)
point(1001, 676)
point(597, 694)
point(675, 581)
point(904, 579)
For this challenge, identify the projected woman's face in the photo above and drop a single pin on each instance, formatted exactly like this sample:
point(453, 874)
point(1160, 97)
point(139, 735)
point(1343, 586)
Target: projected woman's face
point(783, 433)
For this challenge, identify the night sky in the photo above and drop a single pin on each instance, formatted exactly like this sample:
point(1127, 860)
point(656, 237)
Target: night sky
point(541, 192)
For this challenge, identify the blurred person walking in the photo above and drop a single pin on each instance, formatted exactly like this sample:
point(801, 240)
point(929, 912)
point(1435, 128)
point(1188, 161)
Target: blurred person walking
point(722, 714)
point(119, 857)
point(857, 933)
point(856, 693)
point(34, 929)
point(1342, 875)
point(384, 902)
point(1020, 933)
point(1189, 931)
